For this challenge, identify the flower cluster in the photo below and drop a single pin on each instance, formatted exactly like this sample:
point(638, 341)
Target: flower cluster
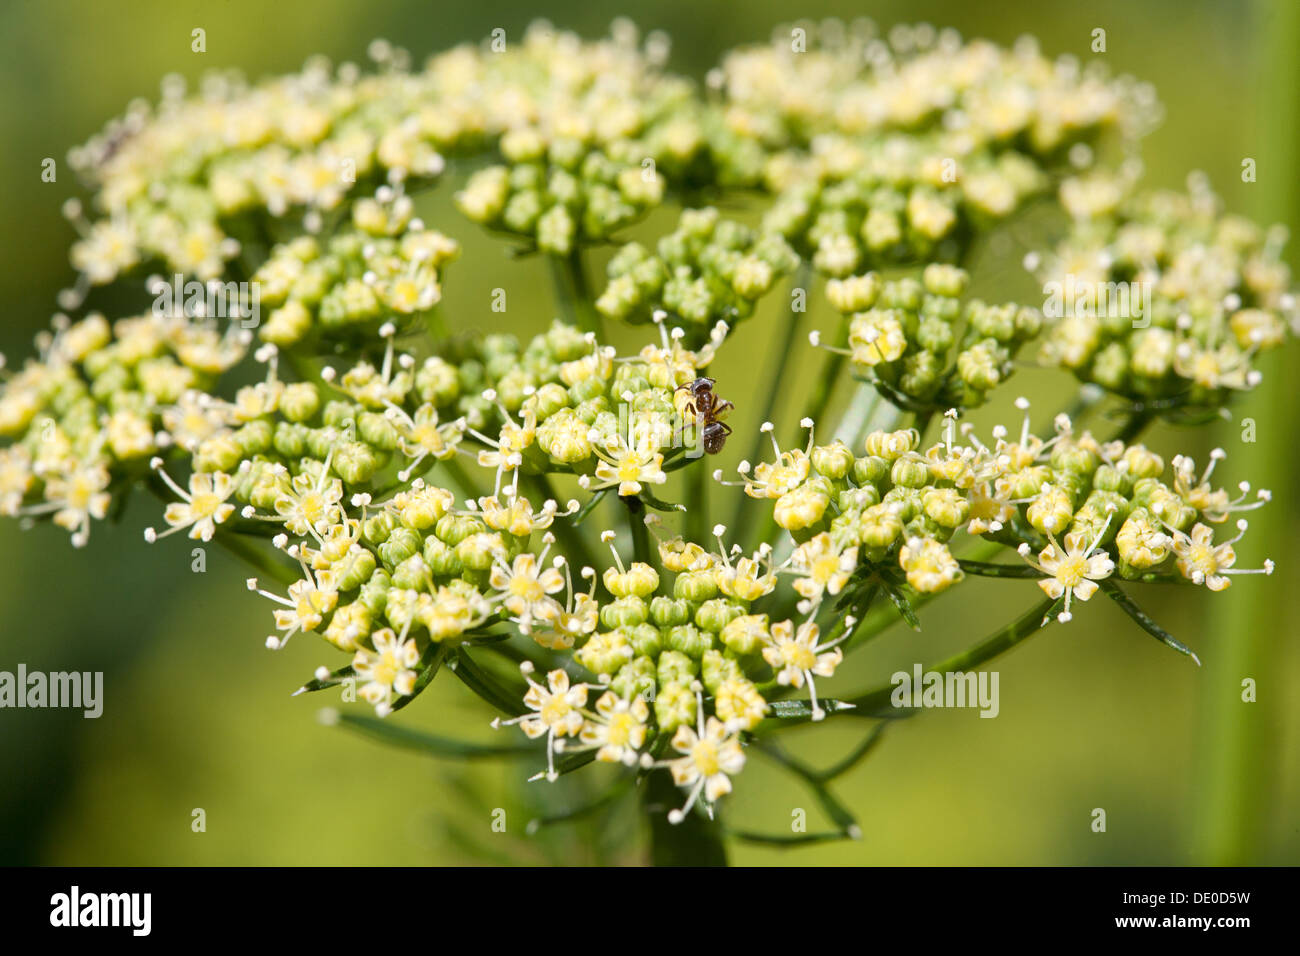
point(100, 400)
point(384, 270)
point(1162, 296)
point(403, 468)
point(901, 334)
point(707, 270)
point(197, 179)
point(916, 78)
point(1087, 508)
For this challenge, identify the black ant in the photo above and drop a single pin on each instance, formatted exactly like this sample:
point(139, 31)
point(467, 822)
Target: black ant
point(708, 408)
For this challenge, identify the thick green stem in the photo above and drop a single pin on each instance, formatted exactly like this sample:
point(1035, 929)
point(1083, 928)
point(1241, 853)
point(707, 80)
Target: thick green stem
point(573, 292)
point(1239, 745)
point(696, 841)
point(640, 534)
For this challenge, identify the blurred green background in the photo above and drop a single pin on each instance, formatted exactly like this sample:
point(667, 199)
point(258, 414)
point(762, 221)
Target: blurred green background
point(197, 712)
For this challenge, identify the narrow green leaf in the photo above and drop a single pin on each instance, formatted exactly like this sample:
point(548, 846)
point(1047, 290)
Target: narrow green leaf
point(408, 738)
point(782, 839)
point(904, 606)
point(990, 570)
point(430, 661)
point(1116, 594)
point(486, 686)
point(589, 506)
point(333, 680)
point(659, 505)
point(789, 709)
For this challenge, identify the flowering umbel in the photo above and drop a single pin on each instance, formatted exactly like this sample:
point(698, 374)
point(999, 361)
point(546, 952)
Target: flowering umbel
point(432, 500)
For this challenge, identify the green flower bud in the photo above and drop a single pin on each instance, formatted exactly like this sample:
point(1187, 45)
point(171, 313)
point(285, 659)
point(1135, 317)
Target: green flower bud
point(676, 667)
point(870, 470)
point(1143, 463)
point(290, 440)
point(376, 528)
point(377, 430)
point(605, 653)
point(934, 335)
point(624, 612)
point(1074, 458)
point(944, 280)
point(374, 593)
point(980, 366)
point(689, 640)
point(441, 558)
point(1109, 478)
point(881, 230)
point(993, 321)
point(832, 461)
point(880, 526)
point(647, 640)
point(218, 453)
point(639, 579)
point(892, 445)
point(355, 462)
point(478, 551)
point(1110, 367)
point(548, 400)
point(412, 573)
point(715, 668)
point(753, 277)
point(746, 633)
point(695, 586)
point(555, 231)
point(716, 614)
point(300, 401)
point(669, 612)
point(1052, 511)
point(437, 382)
point(401, 544)
point(454, 528)
point(1028, 482)
point(946, 507)
point(674, 706)
point(855, 293)
point(255, 437)
point(355, 569)
point(636, 678)
point(909, 473)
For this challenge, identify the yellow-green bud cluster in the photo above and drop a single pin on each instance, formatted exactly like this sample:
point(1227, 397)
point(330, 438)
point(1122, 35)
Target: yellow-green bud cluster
point(1163, 296)
point(707, 270)
point(921, 345)
point(384, 270)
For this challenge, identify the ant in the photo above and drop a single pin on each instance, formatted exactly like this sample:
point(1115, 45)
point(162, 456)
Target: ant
point(708, 408)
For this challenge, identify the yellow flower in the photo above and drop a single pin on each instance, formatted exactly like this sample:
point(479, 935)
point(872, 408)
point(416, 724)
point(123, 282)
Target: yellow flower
point(387, 670)
point(797, 657)
point(618, 729)
point(930, 567)
point(1073, 570)
point(822, 568)
point(710, 757)
point(203, 508)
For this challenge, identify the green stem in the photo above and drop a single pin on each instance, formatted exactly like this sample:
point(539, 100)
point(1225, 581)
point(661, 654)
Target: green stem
point(697, 516)
point(1001, 641)
point(640, 533)
point(828, 375)
point(246, 551)
point(696, 841)
point(573, 291)
point(1241, 743)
